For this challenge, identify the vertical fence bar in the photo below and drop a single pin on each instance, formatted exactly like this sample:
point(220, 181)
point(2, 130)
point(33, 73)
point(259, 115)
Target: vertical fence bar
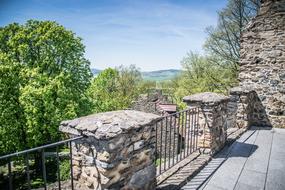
point(28, 170)
point(197, 128)
point(58, 168)
point(156, 151)
point(185, 131)
point(174, 148)
point(178, 137)
point(192, 131)
point(160, 153)
point(189, 131)
point(10, 175)
point(44, 168)
point(165, 143)
point(170, 147)
point(186, 139)
point(181, 137)
point(71, 165)
point(156, 154)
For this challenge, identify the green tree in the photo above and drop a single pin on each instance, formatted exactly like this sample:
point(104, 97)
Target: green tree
point(104, 91)
point(129, 80)
point(218, 69)
point(53, 78)
point(199, 74)
point(223, 40)
point(12, 128)
point(115, 89)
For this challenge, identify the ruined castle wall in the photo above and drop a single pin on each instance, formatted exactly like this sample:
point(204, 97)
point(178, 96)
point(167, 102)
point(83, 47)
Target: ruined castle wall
point(262, 63)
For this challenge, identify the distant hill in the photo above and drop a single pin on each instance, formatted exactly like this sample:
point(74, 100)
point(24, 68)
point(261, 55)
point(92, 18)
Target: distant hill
point(95, 71)
point(158, 75)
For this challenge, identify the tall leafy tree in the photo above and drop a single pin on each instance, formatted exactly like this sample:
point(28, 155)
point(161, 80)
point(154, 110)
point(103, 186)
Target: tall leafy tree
point(115, 89)
point(199, 74)
point(12, 127)
point(223, 40)
point(53, 77)
point(104, 91)
point(129, 80)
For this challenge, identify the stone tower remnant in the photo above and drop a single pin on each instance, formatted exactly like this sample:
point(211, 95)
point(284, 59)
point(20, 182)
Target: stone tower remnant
point(262, 64)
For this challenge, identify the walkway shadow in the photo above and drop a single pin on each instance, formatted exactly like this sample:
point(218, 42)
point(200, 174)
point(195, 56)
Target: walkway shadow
point(236, 149)
point(239, 149)
point(257, 115)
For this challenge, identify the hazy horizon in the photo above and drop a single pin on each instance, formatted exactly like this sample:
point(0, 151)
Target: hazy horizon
point(153, 35)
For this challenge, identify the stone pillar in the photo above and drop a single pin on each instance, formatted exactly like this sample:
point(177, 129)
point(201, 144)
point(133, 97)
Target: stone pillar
point(117, 151)
point(212, 120)
point(245, 109)
point(239, 107)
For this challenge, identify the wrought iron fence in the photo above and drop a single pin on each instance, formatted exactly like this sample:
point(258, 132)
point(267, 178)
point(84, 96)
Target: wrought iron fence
point(176, 137)
point(27, 158)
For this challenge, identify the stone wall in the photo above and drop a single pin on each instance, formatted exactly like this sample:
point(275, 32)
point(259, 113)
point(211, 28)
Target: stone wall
point(212, 121)
point(262, 63)
point(148, 102)
point(117, 151)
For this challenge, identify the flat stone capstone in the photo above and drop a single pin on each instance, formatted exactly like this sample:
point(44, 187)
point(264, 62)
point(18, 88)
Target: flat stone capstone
point(109, 124)
point(205, 97)
point(241, 90)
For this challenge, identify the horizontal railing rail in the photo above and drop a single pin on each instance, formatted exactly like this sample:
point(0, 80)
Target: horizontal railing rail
point(176, 137)
point(8, 181)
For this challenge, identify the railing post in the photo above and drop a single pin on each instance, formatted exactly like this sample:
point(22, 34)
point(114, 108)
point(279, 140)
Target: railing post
point(118, 151)
point(212, 120)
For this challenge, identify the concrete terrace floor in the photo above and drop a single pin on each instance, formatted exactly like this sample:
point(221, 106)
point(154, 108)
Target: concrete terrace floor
point(255, 161)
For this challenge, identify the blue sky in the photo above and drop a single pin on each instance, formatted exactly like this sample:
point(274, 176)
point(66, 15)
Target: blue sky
point(153, 34)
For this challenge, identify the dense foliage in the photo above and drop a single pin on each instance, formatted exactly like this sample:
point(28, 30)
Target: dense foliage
point(44, 76)
point(224, 40)
point(217, 69)
point(115, 89)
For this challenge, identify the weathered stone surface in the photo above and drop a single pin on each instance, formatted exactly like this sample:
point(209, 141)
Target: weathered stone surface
point(240, 108)
point(212, 122)
point(239, 90)
point(141, 179)
point(205, 97)
point(262, 65)
point(150, 103)
point(117, 150)
point(109, 124)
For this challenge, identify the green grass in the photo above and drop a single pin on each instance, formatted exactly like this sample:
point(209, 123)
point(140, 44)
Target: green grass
point(65, 170)
point(158, 162)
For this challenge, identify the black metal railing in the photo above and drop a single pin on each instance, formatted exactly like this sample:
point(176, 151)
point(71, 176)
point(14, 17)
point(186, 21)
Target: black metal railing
point(176, 137)
point(34, 168)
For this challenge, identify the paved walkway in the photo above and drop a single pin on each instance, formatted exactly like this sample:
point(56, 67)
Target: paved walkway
point(254, 161)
